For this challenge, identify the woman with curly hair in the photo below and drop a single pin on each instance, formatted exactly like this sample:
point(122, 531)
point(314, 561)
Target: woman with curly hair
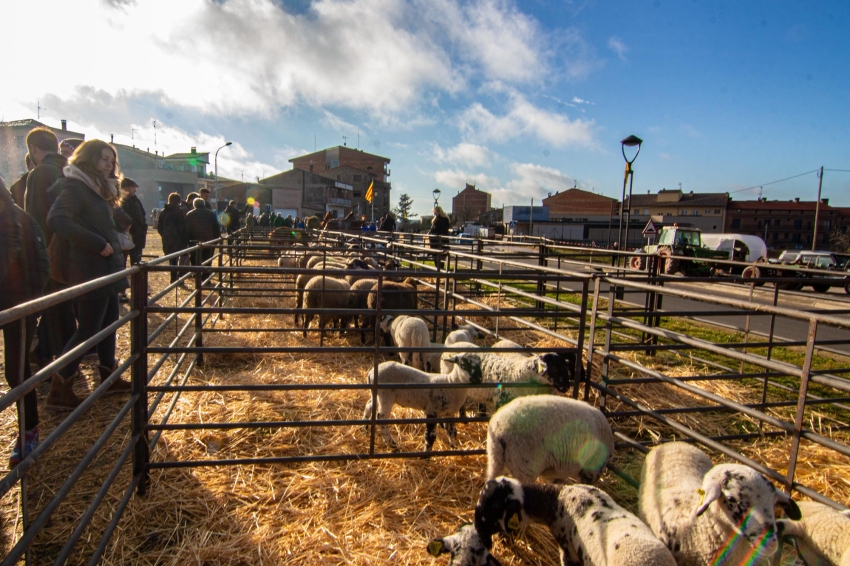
point(82, 217)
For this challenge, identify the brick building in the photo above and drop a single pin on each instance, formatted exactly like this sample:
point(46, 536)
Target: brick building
point(356, 168)
point(469, 203)
point(13, 145)
point(578, 203)
point(786, 224)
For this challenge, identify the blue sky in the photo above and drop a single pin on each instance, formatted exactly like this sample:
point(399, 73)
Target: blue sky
point(520, 98)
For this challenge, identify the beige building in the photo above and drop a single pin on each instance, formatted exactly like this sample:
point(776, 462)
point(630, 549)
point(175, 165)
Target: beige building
point(706, 211)
point(13, 145)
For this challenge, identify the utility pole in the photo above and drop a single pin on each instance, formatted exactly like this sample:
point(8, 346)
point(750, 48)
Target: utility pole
point(817, 210)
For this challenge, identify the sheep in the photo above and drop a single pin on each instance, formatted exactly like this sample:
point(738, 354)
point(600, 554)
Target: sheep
point(553, 371)
point(302, 280)
point(357, 299)
point(587, 524)
point(326, 292)
point(466, 546)
point(505, 343)
point(719, 515)
point(464, 333)
point(394, 296)
point(408, 332)
point(822, 536)
point(432, 359)
point(434, 401)
point(550, 436)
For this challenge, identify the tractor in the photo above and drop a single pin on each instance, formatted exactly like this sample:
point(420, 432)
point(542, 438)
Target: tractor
point(677, 241)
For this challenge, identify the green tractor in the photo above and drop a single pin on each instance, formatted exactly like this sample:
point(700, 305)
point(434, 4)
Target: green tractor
point(677, 241)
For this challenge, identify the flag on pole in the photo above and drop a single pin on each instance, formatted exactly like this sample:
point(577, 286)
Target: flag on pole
point(369, 192)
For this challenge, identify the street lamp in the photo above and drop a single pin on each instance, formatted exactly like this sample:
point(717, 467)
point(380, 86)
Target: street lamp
point(216, 171)
point(628, 177)
point(436, 193)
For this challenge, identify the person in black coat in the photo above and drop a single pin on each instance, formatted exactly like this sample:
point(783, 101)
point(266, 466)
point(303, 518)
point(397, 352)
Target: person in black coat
point(388, 225)
point(171, 225)
point(202, 226)
point(24, 271)
point(232, 217)
point(82, 217)
point(131, 204)
point(439, 230)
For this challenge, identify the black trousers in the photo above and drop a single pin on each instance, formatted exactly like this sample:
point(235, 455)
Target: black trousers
point(96, 313)
point(58, 323)
point(12, 337)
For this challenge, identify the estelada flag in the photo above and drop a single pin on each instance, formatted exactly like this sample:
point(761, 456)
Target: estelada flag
point(369, 192)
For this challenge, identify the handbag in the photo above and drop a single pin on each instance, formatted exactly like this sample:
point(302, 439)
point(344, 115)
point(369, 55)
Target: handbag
point(125, 241)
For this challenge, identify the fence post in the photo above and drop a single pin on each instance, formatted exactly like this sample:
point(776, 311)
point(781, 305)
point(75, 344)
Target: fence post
point(199, 302)
point(139, 376)
point(591, 338)
point(580, 340)
point(801, 404)
point(541, 283)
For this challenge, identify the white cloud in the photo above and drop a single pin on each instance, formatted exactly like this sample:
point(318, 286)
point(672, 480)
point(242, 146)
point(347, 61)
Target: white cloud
point(455, 180)
point(665, 156)
point(690, 130)
point(578, 100)
point(467, 154)
point(535, 181)
point(616, 45)
point(525, 119)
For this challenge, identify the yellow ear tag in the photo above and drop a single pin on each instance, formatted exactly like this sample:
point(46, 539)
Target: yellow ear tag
point(701, 496)
point(541, 366)
point(513, 522)
point(435, 547)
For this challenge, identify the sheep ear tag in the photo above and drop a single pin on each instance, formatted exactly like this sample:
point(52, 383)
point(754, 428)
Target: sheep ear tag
point(435, 547)
point(701, 496)
point(513, 522)
point(541, 367)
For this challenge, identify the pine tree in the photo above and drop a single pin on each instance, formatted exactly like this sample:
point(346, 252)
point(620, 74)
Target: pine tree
point(402, 211)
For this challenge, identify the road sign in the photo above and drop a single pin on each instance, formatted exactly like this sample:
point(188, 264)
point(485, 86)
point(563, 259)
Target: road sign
point(649, 229)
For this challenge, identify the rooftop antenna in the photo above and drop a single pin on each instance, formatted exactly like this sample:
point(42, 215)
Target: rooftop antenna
point(760, 192)
point(345, 140)
point(39, 108)
point(154, 133)
point(680, 186)
point(132, 133)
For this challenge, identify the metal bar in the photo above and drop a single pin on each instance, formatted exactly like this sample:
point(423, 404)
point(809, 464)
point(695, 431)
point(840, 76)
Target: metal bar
point(801, 404)
point(139, 380)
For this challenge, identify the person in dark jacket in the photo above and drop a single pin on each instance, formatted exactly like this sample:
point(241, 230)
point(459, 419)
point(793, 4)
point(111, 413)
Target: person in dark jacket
point(232, 217)
point(131, 204)
point(171, 225)
point(205, 194)
point(19, 187)
point(82, 216)
point(388, 225)
point(24, 271)
point(202, 226)
point(439, 230)
point(43, 148)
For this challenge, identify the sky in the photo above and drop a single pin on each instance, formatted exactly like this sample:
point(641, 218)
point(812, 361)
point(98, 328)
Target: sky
point(521, 99)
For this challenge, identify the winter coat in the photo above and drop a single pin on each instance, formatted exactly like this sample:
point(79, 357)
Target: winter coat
point(19, 190)
point(234, 218)
point(139, 230)
point(202, 225)
point(24, 266)
point(40, 179)
point(439, 227)
point(83, 220)
point(388, 225)
point(171, 225)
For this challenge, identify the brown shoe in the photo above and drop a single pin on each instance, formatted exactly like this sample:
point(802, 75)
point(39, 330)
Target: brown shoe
point(120, 386)
point(61, 396)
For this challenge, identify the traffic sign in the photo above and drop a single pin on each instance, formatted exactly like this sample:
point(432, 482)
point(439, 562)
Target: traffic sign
point(649, 229)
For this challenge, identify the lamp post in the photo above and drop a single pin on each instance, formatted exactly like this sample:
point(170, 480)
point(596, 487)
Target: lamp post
point(436, 193)
point(628, 178)
point(216, 171)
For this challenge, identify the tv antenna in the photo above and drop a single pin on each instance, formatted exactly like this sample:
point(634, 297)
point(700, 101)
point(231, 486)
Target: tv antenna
point(39, 108)
point(345, 140)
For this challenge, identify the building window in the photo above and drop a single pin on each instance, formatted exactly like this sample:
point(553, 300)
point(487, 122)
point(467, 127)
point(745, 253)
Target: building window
point(775, 236)
point(776, 222)
point(708, 212)
point(716, 211)
point(646, 212)
point(736, 223)
point(337, 177)
point(684, 213)
point(798, 224)
point(358, 178)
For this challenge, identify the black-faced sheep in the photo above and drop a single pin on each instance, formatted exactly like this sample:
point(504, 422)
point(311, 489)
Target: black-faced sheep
point(822, 535)
point(466, 548)
point(705, 514)
point(408, 332)
point(433, 401)
point(590, 528)
point(549, 436)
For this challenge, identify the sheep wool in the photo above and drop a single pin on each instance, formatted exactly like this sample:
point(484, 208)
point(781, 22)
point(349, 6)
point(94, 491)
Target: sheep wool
point(590, 528)
point(408, 332)
point(822, 536)
point(323, 292)
point(549, 436)
point(721, 515)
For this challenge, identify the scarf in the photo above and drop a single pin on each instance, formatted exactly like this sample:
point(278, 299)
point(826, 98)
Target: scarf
point(74, 172)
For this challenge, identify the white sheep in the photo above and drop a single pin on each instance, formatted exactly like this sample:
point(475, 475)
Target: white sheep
point(822, 536)
point(408, 332)
point(590, 528)
point(432, 359)
point(435, 402)
point(463, 333)
point(466, 547)
point(324, 292)
point(549, 436)
point(552, 371)
point(505, 343)
point(720, 515)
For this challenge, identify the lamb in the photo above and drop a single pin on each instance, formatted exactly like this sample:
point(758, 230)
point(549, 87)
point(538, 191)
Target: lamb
point(408, 332)
point(434, 401)
point(549, 436)
point(466, 546)
point(588, 525)
point(394, 296)
point(357, 299)
point(302, 280)
point(553, 371)
point(822, 536)
point(325, 292)
point(464, 333)
point(719, 515)
point(505, 343)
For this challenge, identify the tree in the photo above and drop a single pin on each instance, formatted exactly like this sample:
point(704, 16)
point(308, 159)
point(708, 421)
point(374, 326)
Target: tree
point(402, 211)
point(839, 241)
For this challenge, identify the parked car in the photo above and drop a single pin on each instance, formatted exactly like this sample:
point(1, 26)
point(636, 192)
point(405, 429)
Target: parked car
point(823, 260)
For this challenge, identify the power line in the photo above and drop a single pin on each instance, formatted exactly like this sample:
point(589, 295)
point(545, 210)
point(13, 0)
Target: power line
point(779, 181)
point(840, 170)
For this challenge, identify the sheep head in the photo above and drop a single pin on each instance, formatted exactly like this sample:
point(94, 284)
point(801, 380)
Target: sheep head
point(466, 547)
point(556, 369)
point(499, 507)
point(746, 501)
point(469, 363)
